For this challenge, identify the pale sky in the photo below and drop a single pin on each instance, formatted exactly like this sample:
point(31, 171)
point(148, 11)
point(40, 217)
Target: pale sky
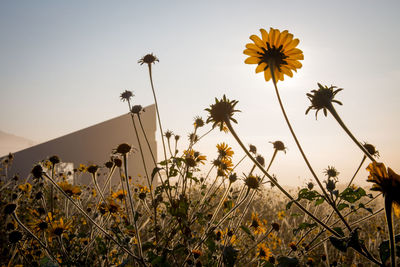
point(65, 63)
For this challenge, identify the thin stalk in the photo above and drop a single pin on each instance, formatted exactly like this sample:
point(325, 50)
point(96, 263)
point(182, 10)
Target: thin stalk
point(389, 220)
point(332, 110)
point(158, 116)
point(328, 199)
point(92, 221)
point(132, 207)
point(228, 124)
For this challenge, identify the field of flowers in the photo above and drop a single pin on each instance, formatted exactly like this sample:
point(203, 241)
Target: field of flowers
point(184, 215)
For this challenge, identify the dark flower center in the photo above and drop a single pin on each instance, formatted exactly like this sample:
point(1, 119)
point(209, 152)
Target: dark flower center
point(58, 230)
point(273, 55)
point(255, 224)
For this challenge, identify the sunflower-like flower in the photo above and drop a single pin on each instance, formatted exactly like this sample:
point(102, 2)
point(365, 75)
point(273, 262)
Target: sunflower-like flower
point(224, 151)
point(263, 252)
point(71, 190)
point(193, 157)
point(274, 50)
point(58, 227)
point(148, 59)
point(371, 150)
point(252, 181)
point(385, 180)
point(198, 122)
point(323, 98)
point(120, 194)
point(257, 224)
point(279, 145)
point(221, 112)
point(331, 172)
point(225, 166)
point(126, 95)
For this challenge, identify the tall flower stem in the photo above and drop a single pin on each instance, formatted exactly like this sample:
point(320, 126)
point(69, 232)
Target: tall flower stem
point(229, 125)
point(389, 220)
point(327, 197)
point(332, 110)
point(140, 260)
point(132, 207)
point(158, 117)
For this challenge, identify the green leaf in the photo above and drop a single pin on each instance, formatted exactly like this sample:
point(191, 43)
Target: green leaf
point(247, 231)
point(384, 249)
point(284, 261)
point(362, 206)
point(339, 243)
point(350, 195)
point(155, 170)
point(339, 231)
point(229, 256)
point(319, 201)
point(342, 206)
point(289, 205)
point(303, 226)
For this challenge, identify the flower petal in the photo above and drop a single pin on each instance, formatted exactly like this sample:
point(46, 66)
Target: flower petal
point(264, 35)
point(261, 67)
point(257, 41)
point(252, 60)
point(251, 52)
point(267, 75)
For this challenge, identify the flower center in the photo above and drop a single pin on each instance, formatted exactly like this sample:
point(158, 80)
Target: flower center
point(273, 55)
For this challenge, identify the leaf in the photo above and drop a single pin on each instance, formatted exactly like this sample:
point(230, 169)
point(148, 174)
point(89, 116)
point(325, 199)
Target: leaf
point(229, 256)
point(350, 195)
point(339, 243)
point(247, 231)
point(284, 261)
point(339, 231)
point(342, 206)
point(362, 206)
point(289, 205)
point(319, 201)
point(303, 226)
point(384, 249)
point(155, 170)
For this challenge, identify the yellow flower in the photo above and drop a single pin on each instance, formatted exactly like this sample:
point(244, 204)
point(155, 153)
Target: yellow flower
point(385, 181)
point(26, 188)
point(71, 190)
point(193, 157)
point(257, 224)
point(224, 151)
point(120, 195)
point(263, 252)
point(276, 50)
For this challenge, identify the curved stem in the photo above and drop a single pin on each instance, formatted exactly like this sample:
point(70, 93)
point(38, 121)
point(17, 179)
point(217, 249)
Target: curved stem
point(228, 124)
point(332, 110)
point(328, 199)
point(389, 220)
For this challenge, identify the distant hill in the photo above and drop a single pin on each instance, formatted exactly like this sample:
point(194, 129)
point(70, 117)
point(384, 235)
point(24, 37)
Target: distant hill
point(12, 143)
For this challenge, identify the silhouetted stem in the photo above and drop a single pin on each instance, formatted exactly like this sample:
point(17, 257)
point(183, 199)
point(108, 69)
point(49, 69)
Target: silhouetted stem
point(228, 124)
point(341, 123)
point(389, 220)
point(328, 199)
point(92, 221)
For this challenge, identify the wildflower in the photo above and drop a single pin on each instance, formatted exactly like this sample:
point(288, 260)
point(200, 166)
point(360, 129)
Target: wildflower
point(168, 134)
point(224, 150)
point(263, 251)
point(279, 145)
point(196, 253)
point(257, 224)
point(109, 164)
point(252, 182)
point(385, 181)
point(218, 235)
point(126, 95)
point(123, 149)
point(371, 149)
point(117, 162)
point(92, 169)
point(39, 225)
point(260, 159)
point(70, 190)
point(293, 246)
point(310, 261)
point(198, 122)
point(193, 137)
point(15, 236)
point(54, 160)
point(26, 188)
point(310, 185)
point(193, 157)
point(323, 98)
point(225, 167)
point(253, 149)
point(232, 177)
point(281, 214)
point(221, 112)
point(275, 226)
point(331, 172)
point(274, 51)
point(120, 195)
point(136, 109)
point(37, 171)
point(148, 59)
point(10, 208)
point(57, 226)
point(112, 207)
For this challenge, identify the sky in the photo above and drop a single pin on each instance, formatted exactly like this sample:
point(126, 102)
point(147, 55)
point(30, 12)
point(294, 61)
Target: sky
point(63, 65)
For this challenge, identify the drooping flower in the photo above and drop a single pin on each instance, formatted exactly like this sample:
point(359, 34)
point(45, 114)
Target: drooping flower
point(385, 180)
point(276, 50)
point(221, 112)
point(322, 98)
